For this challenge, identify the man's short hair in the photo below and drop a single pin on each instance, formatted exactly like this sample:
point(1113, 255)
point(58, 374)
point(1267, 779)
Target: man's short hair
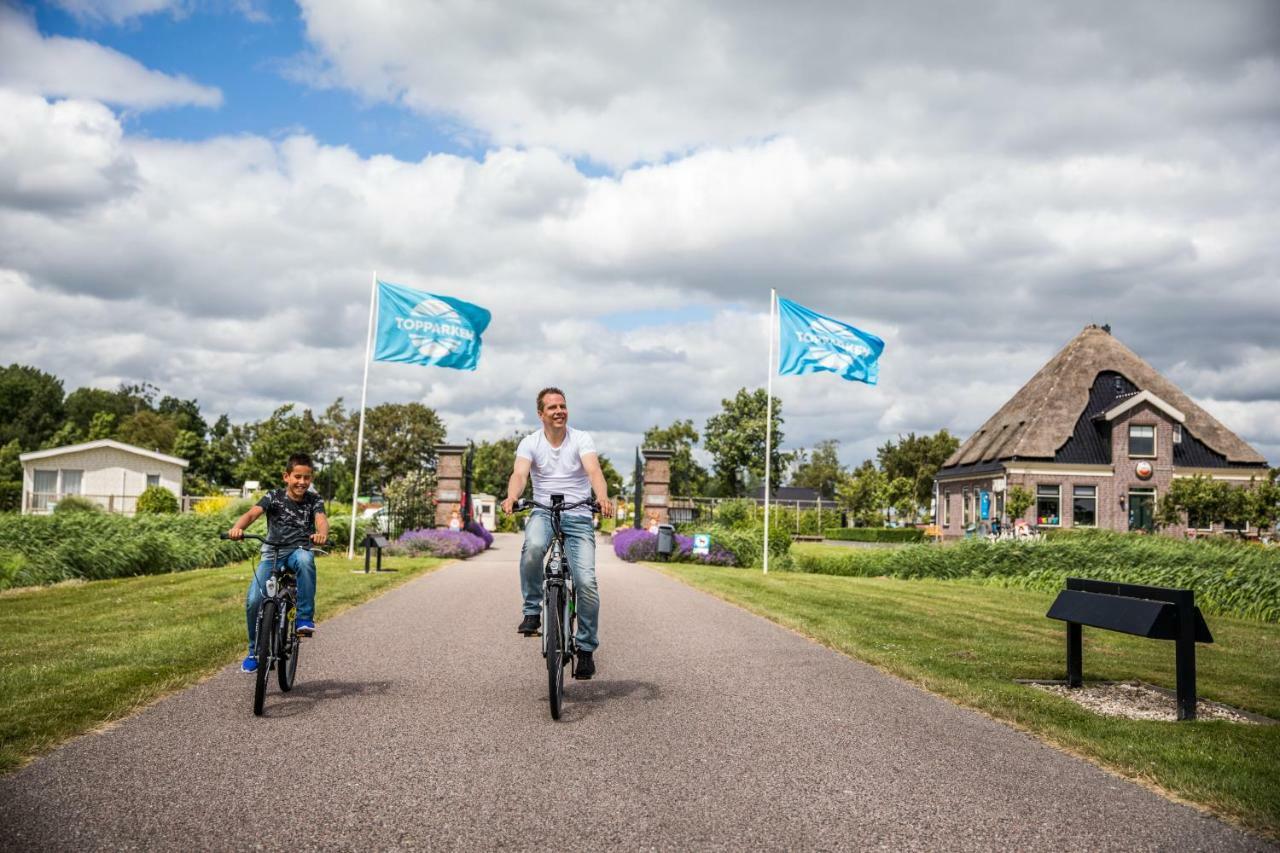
point(545, 391)
point(298, 459)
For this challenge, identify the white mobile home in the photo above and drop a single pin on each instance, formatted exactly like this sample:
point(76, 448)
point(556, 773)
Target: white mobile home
point(110, 473)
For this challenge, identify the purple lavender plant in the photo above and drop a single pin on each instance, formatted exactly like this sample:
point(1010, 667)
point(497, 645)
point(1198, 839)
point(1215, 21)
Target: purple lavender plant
point(635, 545)
point(456, 544)
point(476, 528)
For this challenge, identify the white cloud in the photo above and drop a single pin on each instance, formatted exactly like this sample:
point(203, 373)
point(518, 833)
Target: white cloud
point(624, 82)
point(61, 155)
point(56, 66)
point(120, 11)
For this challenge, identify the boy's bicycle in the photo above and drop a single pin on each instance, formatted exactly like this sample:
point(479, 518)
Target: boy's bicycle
point(559, 602)
point(278, 642)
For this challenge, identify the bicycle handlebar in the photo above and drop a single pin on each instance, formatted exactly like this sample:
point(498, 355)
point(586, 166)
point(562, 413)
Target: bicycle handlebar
point(309, 544)
point(525, 503)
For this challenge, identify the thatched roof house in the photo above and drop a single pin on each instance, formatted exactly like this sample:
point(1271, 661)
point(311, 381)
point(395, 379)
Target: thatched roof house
point(1097, 430)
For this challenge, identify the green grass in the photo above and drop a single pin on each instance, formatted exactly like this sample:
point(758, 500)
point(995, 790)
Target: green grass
point(968, 642)
point(81, 654)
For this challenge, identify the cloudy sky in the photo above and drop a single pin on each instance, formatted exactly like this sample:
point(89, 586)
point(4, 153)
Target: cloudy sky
point(195, 194)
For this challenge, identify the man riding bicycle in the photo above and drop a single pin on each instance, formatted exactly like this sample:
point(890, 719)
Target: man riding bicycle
point(563, 461)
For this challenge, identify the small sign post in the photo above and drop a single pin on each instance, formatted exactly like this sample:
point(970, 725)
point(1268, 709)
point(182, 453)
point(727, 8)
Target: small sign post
point(702, 543)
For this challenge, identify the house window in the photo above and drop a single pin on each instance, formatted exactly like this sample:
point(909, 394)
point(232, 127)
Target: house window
point(1084, 506)
point(72, 482)
point(1049, 505)
point(1142, 440)
point(946, 508)
point(1177, 433)
point(1199, 520)
point(45, 483)
point(153, 480)
point(966, 507)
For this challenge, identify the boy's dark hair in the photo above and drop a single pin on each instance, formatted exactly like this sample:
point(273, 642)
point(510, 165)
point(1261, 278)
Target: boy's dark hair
point(298, 459)
point(545, 391)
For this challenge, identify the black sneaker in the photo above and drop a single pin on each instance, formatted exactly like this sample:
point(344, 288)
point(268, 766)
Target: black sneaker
point(586, 667)
point(529, 625)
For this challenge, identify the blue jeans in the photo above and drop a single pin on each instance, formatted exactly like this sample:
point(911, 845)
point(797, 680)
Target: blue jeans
point(303, 563)
point(580, 543)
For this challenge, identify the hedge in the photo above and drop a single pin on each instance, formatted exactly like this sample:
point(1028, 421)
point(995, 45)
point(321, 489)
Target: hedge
point(875, 534)
point(1228, 577)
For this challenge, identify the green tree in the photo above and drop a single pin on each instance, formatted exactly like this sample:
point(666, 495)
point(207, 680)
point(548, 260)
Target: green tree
point(189, 446)
point(863, 494)
point(822, 470)
point(917, 458)
point(145, 428)
point(612, 479)
point(85, 404)
point(1017, 501)
point(64, 435)
point(492, 464)
point(399, 439)
point(270, 443)
point(735, 438)
point(688, 478)
point(185, 415)
point(223, 453)
point(31, 405)
point(10, 476)
point(103, 425)
point(901, 497)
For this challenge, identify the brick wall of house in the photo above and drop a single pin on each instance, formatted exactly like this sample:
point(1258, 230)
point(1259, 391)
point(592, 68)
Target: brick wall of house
point(1125, 476)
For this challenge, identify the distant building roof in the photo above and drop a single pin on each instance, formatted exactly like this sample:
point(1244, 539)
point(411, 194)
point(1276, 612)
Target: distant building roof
point(100, 443)
point(1043, 417)
point(787, 493)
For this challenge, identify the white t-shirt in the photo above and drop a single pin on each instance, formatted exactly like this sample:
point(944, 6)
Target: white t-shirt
point(558, 470)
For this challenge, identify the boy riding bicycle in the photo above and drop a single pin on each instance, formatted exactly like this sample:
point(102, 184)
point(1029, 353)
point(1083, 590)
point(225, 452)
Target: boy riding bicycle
point(295, 519)
point(563, 461)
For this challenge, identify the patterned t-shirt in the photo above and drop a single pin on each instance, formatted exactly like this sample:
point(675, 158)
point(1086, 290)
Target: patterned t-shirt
point(289, 521)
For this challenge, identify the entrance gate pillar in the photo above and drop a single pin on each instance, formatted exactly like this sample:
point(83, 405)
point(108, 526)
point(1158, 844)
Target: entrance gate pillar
point(657, 479)
point(448, 481)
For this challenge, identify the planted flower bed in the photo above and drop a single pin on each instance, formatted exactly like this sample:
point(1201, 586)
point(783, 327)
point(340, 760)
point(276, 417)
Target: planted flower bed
point(635, 545)
point(455, 544)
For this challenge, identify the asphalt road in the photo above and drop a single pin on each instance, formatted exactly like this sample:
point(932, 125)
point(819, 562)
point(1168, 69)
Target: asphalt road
point(420, 721)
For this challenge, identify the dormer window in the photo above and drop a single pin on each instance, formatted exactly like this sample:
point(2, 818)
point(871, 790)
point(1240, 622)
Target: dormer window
point(1177, 433)
point(1142, 440)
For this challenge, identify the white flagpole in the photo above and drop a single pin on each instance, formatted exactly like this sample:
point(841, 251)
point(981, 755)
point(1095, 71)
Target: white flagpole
point(364, 392)
point(768, 426)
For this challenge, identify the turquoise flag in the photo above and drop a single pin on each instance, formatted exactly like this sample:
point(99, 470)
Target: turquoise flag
point(811, 342)
point(422, 328)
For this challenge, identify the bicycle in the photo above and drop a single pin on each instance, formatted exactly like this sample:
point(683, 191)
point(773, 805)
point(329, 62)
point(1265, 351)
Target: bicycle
point(559, 600)
point(278, 642)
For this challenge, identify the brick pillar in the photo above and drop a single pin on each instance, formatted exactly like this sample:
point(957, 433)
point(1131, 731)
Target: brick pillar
point(448, 481)
point(657, 478)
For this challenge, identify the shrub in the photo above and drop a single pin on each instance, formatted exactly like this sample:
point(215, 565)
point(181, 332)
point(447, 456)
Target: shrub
point(875, 534)
point(740, 512)
point(76, 503)
point(456, 544)
point(340, 531)
point(476, 528)
point(214, 505)
point(1232, 578)
point(156, 500)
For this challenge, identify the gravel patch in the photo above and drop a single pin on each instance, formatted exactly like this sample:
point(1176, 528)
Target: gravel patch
point(1136, 700)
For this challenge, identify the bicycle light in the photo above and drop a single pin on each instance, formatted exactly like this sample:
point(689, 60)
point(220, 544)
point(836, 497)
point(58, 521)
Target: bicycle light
point(271, 587)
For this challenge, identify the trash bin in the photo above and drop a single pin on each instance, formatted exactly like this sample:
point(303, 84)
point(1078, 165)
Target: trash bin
point(666, 541)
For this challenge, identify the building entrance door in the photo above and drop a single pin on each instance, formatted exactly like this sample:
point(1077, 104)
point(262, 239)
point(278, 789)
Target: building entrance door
point(1142, 509)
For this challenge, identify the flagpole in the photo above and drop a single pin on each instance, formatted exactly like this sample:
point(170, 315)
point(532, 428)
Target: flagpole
point(768, 426)
point(364, 392)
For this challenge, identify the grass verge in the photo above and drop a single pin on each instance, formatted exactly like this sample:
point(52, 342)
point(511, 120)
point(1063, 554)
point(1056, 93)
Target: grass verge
point(968, 642)
point(82, 654)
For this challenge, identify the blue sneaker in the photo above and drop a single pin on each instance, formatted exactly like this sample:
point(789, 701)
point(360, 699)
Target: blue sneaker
point(250, 664)
point(305, 627)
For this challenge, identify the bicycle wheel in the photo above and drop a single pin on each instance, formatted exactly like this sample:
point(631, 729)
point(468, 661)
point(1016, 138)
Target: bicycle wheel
point(266, 638)
point(553, 630)
point(288, 646)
